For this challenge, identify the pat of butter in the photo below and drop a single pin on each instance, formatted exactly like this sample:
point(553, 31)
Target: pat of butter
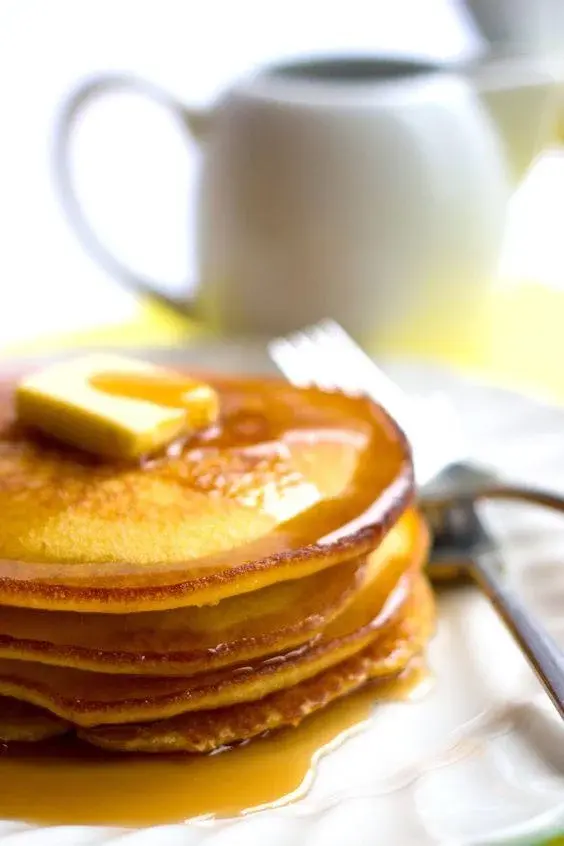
point(115, 406)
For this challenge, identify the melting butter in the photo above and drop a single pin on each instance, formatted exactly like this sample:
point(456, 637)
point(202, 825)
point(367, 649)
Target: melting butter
point(115, 406)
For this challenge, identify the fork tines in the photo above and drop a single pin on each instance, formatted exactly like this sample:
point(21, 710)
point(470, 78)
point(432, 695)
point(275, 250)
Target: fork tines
point(325, 355)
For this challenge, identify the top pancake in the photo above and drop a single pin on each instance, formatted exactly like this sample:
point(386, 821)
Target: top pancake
point(290, 481)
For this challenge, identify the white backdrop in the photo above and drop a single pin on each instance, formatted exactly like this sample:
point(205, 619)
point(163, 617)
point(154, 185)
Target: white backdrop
point(133, 169)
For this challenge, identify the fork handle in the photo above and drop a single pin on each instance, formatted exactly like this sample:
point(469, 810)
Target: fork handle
point(542, 652)
point(521, 493)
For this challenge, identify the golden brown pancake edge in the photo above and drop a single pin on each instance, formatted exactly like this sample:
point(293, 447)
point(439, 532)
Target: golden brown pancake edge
point(199, 639)
point(205, 731)
point(341, 583)
point(93, 698)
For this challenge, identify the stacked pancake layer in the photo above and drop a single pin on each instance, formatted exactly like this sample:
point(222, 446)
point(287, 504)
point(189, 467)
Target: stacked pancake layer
point(233, 585)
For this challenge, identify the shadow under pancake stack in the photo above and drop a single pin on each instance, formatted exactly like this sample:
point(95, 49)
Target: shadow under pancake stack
point(229, 585)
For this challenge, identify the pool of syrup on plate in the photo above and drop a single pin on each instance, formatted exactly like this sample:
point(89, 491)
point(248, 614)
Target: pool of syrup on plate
point(64, 783)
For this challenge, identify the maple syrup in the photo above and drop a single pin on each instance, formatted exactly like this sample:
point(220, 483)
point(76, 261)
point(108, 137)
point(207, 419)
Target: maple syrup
point(170, 390)
point(63, 782)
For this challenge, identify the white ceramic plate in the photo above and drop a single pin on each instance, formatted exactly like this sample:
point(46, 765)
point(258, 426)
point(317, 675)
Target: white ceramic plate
point(480, 759)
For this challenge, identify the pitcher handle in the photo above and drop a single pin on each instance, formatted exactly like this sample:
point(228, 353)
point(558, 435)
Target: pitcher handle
point(193, 122)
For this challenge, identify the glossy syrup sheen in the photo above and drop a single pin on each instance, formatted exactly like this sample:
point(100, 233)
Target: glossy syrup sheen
point(168, 389)
point(284, 468)
point(65, 783)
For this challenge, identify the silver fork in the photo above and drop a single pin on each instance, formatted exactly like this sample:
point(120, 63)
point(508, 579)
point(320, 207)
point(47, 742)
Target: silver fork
point(326, 356)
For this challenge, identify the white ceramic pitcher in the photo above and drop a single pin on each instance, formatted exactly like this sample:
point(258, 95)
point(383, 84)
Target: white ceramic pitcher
point(364, 189)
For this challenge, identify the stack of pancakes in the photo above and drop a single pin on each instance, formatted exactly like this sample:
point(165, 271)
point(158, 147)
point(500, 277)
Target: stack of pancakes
point(232, 585)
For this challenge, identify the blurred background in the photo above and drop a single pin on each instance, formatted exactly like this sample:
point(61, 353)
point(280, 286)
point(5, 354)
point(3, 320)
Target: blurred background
point(134, 172)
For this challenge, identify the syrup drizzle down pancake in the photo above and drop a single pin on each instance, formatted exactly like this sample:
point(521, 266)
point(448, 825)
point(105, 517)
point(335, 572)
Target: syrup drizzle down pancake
point(290, 482)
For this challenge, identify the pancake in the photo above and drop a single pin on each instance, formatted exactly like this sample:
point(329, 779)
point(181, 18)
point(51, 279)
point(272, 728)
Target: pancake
point(87, 698)
point(205, 731)
point(21, 722)
point(195, 639)
point(290, 482)
point(183, 641)
point(385, 660)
